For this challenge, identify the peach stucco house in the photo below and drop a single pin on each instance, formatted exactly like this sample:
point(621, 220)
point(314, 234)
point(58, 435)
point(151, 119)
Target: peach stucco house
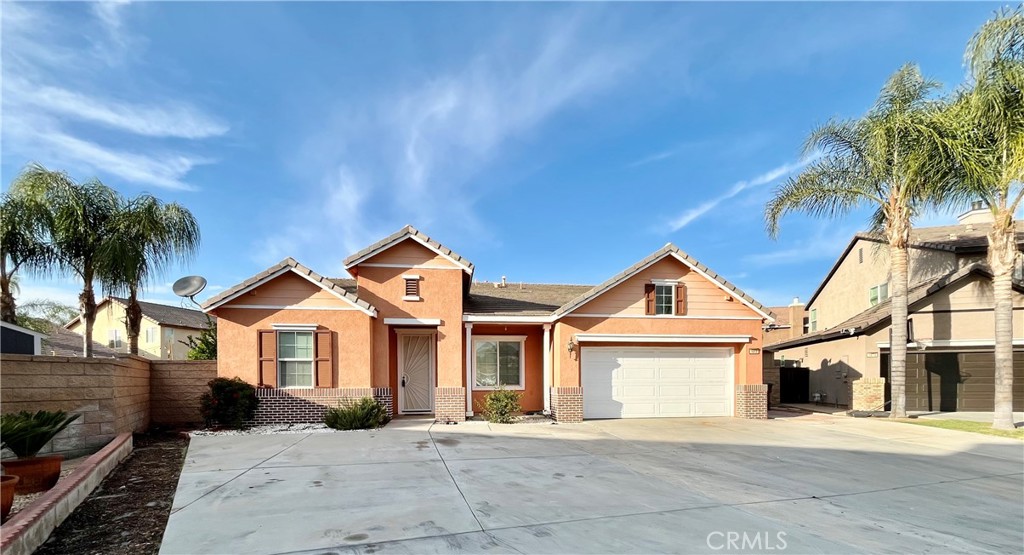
point(667, 337)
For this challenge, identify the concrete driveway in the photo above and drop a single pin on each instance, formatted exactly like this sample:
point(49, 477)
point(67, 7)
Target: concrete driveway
point(806, 484)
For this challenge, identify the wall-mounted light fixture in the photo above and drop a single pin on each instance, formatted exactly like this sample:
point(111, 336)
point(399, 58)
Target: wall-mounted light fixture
point(571, 346)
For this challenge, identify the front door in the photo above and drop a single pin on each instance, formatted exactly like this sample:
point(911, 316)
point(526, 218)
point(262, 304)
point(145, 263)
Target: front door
point(416, 372)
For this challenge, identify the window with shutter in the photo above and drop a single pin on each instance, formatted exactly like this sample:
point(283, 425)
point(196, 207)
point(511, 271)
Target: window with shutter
point(680, 299)
point(649, 299)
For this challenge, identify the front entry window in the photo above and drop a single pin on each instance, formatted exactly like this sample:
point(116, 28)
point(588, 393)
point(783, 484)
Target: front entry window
point(295, 358)
point(499, 363)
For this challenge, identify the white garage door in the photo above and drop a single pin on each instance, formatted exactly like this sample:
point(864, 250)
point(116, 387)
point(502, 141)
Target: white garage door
point(627, 382)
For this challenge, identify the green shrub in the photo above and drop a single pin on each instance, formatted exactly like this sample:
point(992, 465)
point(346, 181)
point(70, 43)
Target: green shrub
point(364, 414)
point(501, 406)
point(229, 403)
point(25, 433)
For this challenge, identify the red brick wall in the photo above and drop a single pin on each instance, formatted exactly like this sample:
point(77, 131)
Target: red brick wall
point(752, 401)
point(308, 405)
point(450, 404)
point(567, 404)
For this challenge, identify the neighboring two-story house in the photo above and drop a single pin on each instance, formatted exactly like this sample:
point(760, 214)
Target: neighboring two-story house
point(164, 328)
point(665, 337)
point(950, 363)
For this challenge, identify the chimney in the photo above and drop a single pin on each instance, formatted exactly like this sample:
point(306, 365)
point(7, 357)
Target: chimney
point(797, 310)
point(979, 213)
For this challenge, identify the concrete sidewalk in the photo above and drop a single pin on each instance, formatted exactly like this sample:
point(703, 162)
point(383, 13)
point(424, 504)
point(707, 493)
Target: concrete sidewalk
point(800, 484)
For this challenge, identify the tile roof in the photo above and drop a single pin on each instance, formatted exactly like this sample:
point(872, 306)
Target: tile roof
point(66, 343)
point(401, 234)
point(293, 265)
point(522, 299)
point(667, 250)
point(167, 315)
point(883, 310)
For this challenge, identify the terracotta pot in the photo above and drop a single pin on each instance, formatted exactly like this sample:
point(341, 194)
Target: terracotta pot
point(36, 473)
point(7, 484)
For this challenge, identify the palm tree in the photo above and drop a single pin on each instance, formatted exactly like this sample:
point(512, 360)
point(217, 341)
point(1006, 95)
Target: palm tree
point(883, 160)
point(78, 226)
point(984, 133)
point(146, 237)
point(22, 244)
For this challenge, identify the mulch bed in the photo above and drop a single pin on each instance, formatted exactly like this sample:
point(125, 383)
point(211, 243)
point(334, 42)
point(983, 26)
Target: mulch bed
point(128, 512)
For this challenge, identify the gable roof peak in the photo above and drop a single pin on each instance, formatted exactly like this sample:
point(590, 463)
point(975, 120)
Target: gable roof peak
point(408, 232)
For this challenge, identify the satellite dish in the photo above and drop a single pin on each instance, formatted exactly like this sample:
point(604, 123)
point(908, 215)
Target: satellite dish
point(189, 286)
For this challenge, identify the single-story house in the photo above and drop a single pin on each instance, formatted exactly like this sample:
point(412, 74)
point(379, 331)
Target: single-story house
point(666, 337)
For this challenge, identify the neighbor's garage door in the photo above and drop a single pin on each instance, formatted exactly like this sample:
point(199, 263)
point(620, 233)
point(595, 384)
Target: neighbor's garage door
point(952, 381)
point(640, 382)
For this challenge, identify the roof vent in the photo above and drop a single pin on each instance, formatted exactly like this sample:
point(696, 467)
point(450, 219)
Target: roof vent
point(503, 284)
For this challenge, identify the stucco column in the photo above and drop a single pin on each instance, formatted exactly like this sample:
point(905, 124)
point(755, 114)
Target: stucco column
point(547, 368)
point(469, 369)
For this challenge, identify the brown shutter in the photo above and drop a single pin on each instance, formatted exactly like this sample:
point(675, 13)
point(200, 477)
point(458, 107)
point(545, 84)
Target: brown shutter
point(268, 358)
point(680, 299)
point(322, 358)
point(648, 299)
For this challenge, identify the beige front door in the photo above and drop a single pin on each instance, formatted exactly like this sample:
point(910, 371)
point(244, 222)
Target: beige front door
point(416, 372)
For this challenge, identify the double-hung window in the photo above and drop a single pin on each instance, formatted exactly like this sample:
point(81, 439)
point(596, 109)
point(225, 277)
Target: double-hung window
point(151, 334)
point(878, 293)
point(812, 322)
point(498, 362)
point(295, 358)
point(114, 339)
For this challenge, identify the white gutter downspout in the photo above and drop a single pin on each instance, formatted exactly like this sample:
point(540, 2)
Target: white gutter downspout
point(469, 369)
point(547, 368)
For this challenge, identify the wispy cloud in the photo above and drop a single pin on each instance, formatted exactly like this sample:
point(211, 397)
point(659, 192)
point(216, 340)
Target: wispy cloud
point(44, 122)
point(411, 153)
point(687, 217)
point(826, 243)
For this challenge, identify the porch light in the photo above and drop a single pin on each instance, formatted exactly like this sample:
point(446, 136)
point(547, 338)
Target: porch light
point(571, 346)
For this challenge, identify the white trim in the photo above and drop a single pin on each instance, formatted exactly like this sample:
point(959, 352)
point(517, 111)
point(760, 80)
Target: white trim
point(498, 319)
point(521, 339)
point(398, 240)
point(288, 307)
point(411, 298)
point(546, 346)
point(924, 343)
point(430, 372)
point(294, 327)
point(415, 267)
point(666, 316)
point(371, 312)
point(412, 276)
point(659, 338)
point(664, 281)
point(412, 321)
point(469, 369)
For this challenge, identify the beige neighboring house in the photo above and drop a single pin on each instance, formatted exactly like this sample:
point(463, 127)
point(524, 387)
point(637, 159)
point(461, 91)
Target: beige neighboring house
point(163, 329)
point(844, 352)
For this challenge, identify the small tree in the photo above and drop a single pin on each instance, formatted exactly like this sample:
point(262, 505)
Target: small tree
point(22, 243)
point(205, 347)
point(44, 315)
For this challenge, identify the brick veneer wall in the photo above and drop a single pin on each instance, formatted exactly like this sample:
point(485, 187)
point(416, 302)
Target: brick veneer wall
point(867, 394)
point(175, 388)
point(450, 404)
point(567, 404)
point(308, 405)
point(771, 376)
point(752, 401)
point(111, 394)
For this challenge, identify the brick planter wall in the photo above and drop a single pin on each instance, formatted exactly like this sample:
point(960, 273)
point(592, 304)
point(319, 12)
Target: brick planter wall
point(752, 401)
point(567, 404)
point(867, 394)
point(450, 404)
point(308, 405)
point(175, 388)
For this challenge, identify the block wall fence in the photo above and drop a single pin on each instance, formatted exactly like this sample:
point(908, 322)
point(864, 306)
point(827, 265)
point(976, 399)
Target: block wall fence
point(113, 395)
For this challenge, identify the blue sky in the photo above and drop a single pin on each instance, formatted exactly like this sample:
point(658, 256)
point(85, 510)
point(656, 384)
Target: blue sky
point(544, 142)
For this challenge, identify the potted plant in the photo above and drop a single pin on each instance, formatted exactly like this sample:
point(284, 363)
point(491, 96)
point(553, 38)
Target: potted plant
point(7, 484)
point(25, 433)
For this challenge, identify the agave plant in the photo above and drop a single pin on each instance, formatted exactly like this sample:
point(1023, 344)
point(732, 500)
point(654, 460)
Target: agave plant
point(26, 433)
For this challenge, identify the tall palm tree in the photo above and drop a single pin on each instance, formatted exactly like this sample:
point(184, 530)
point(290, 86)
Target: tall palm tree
point(146, 237)
point(884, 160)
point(22, 244)
point(984, 134)
point(78, 226)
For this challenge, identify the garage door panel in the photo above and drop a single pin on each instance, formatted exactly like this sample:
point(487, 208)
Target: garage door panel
point(656, 382)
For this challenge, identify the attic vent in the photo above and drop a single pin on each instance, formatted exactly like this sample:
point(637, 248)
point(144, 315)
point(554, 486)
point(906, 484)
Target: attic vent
point(412, 288)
